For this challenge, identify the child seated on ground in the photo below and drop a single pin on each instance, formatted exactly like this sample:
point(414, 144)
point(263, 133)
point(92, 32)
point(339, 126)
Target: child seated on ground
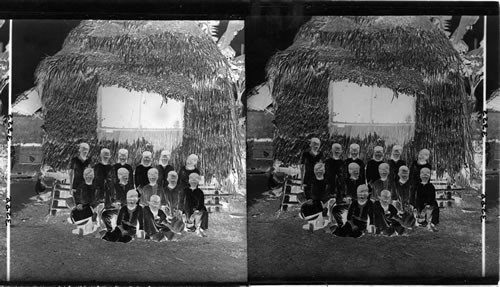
point(130, 219)
point(425, 201)
point(383, 183)
point(152, 188)
point(194, 206)
point(155, 221)
point(85, 199)
point(340, 209)
point(318, 202)
point(359, 215)
point(354, 153)
point(385, 215)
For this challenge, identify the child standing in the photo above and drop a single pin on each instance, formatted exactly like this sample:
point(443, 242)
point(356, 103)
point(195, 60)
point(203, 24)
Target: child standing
point(308, 160)
point(383, 183)
point(425, 201)
point(354, 150)
point(335, 172)
point(395, 162)
point(122, 163)
point(372, 173)
point(141, 171)
point(78, 165)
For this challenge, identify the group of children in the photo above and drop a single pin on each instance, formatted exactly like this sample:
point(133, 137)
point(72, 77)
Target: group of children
point(151, 202)
point(382, 197)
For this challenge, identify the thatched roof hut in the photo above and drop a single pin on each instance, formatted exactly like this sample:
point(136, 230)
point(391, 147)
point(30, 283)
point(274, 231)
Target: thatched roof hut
point(173, 59)
point(403, 55)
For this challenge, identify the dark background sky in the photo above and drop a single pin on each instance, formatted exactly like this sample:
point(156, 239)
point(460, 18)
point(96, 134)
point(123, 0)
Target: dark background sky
point(36, 39)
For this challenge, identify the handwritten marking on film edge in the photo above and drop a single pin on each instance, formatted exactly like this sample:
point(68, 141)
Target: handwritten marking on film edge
point(8, 122)
point(484, 132)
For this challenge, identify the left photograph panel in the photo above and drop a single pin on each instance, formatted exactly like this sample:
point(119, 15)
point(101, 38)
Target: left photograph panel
point(4, 110)
point(128, 149)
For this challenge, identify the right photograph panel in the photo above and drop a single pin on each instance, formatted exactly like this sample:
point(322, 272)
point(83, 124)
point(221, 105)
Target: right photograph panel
point(364, 148)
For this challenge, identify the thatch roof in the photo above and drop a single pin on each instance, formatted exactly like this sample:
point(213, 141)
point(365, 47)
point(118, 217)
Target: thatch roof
point(404, 53)
point(175, 59)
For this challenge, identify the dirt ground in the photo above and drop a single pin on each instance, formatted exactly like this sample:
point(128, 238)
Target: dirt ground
point(48, 252)
point(280, 251)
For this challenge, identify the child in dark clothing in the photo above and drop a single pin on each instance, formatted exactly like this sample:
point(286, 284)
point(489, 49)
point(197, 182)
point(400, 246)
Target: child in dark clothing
point(164, 168)
point(404, 193)
point(425, 201)
point(130, 219)
point(359, 216)
point(187, 170)
point(319, 186)
point(152, 188)
point(335, 172)
point(105, 179)
point(155, 221)
point(383, 183)
point(354, 180)
point(123, 186)
point(194, 205)
point(308, 160)
point(395, 162)
point(421, 162)
point(78, 165)
point(385, 215)
point(172, 195)
point(85, 199)
point(318, 202)
point(141, 171)
point(354, 153)
point(372, 173)
point(122, 163)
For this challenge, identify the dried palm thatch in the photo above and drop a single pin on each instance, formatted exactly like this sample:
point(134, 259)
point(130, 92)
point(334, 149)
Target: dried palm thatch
point(172, 58)
point(406, 54)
